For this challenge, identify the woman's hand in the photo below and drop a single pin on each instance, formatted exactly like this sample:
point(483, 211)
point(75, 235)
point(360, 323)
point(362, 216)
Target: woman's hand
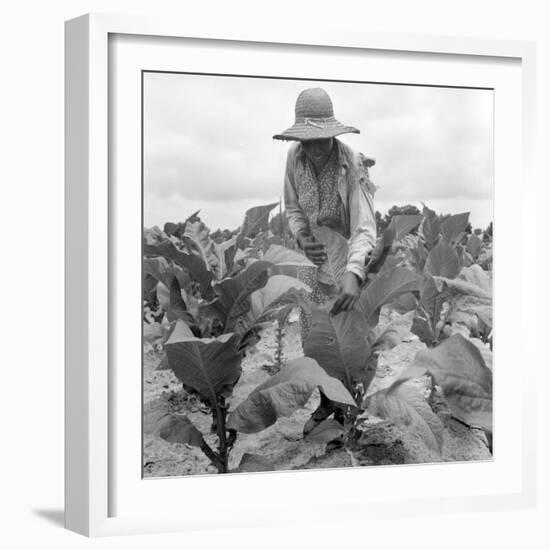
point(348, 295)
point(314, 250)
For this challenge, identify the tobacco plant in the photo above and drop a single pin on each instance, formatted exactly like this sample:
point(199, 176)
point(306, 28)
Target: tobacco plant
point(280, 321)
point(210, 368)
point(348, 345)
point(214, 323)
point(206, 346)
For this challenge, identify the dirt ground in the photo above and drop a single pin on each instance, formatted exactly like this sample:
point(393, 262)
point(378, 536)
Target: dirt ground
point(283, 445)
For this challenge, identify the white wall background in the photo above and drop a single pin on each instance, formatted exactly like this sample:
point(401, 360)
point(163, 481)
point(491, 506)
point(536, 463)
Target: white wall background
point(32, 203)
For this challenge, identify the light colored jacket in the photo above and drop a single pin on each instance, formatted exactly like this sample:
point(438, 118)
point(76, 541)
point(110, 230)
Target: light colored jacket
point(356, 191)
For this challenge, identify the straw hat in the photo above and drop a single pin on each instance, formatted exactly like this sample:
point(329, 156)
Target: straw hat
point(315, 118)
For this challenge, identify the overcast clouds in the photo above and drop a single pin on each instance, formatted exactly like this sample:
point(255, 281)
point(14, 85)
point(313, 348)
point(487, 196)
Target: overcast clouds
point(208, 144)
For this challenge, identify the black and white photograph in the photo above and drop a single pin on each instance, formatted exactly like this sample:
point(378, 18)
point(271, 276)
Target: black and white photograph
point(278, 276)
point(317, 274)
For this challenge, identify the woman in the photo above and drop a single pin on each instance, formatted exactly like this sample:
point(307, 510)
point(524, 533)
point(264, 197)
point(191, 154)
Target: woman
point(327, 183)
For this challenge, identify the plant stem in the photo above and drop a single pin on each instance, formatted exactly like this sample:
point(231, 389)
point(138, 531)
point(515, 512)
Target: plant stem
point(214, 458)
point(279, 353)
point(221, 412)
point(435, 320)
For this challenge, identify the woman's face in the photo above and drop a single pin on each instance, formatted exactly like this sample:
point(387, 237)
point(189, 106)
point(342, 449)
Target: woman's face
point(317, 150)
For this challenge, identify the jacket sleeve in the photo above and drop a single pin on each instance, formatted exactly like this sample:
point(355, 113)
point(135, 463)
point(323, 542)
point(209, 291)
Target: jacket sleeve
point(362, 222)
point(297, 220)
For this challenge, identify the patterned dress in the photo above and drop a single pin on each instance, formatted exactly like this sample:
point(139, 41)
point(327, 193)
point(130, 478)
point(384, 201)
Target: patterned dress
point(321, 203)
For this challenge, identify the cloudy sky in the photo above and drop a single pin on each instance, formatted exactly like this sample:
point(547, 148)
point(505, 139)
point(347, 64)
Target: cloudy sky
point(208, 144)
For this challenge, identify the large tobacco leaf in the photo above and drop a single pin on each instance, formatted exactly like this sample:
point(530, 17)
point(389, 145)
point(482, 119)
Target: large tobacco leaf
point(430, 289)
point(420, 255)
point(485, 315)
point(172, 428)
point(329, 273)
point(285, 261)
point(428, 313)
point(192, 263)
point(385, 288)
point(431, 228)
point(443, 261)
point(255, 221)
point(390, 263)
point(197, 235)
point(428, 212)
point(405, 303)
point(265, 239)
point(253, 463)
point(459, 369)
point(281, 255)
point(284, 393)
point(149, 288)
point(460, 287)
point(339, 343)
point(326, 431)
point(175, 229)
point(400, 226)
point(454, 226)
point(233, 303)
point(226, 254)
point(423, 327)
point(153, 235)
point(279, 290)
point(381, 340)
point(178, 229)
point(171, 300)
point(473, 246)
point(261, 243)
point(405, 406)
point(208, 366)
point(478, 277)
point(159, 269)
point(171, 282)
point(469, 295)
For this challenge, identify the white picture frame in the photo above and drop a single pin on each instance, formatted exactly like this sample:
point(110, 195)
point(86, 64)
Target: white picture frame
point(91, 217)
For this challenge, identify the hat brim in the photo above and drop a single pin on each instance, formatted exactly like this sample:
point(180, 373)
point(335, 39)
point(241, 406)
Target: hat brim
point(301, 131)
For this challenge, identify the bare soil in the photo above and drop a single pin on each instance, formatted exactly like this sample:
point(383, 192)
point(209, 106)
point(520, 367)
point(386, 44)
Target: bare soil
point(283, 444)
